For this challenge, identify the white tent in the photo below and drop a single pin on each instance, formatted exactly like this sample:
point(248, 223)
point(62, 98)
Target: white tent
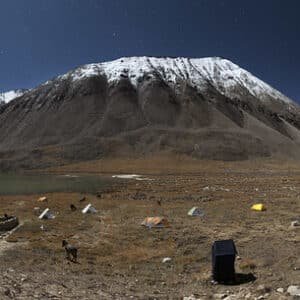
point(89, 209)
point(46, 214)
point(196, 211)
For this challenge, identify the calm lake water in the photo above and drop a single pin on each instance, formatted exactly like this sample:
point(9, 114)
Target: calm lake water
point(12, 184)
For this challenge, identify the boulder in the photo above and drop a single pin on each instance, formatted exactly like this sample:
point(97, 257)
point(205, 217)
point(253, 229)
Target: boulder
point(294, 290)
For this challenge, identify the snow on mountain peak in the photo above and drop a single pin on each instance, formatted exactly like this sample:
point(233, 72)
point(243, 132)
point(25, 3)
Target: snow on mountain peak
point(224, 75)
point(10, 95)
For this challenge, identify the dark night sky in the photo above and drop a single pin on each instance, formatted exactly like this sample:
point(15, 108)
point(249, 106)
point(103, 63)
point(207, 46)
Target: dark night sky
point(40, 39)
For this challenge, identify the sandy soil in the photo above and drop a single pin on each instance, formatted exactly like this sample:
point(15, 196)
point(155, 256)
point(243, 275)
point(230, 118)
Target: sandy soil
point(120, 259)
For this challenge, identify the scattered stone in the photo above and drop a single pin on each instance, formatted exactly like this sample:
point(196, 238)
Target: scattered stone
point(280, 290)
point(233, 297)
point(192, 297)
point(263, 289)
point(220, 296)
point(294, 290)
point(52, 290)
point(294, 225)
point(166, 260)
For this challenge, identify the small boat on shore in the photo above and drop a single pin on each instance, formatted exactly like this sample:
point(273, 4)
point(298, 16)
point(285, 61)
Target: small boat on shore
point(8, 223)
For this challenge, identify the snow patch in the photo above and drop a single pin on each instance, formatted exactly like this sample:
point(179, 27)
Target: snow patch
point(127, 176)
point(130, 176)
point(11, 95)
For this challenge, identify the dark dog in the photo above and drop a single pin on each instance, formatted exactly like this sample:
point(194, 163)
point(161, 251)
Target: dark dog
point(71, 251)
point(73, 207)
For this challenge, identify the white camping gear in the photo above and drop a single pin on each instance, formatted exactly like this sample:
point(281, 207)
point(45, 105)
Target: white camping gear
point(46, 214)
point(89, 209)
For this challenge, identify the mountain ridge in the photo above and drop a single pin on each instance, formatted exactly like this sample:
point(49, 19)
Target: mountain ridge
point(208, 108)
point(144, 64)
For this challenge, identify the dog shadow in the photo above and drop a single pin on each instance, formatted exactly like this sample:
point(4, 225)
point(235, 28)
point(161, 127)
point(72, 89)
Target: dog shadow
point(241, 278)
point(69, 261)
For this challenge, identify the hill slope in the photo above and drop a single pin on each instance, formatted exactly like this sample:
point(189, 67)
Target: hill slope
point(208, 108)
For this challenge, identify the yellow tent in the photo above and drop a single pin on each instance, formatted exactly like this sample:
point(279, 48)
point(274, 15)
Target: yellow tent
point(258, 207)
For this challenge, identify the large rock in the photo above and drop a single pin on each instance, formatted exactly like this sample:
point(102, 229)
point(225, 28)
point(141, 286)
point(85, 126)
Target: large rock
point(294, 290)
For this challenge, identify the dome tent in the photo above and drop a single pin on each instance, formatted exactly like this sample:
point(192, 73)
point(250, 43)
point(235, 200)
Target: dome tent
point(155, 222)
point(89, 209)
point(196, 211)
point(46, 214)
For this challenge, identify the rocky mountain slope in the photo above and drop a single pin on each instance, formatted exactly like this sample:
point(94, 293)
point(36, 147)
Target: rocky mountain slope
point(208, 108)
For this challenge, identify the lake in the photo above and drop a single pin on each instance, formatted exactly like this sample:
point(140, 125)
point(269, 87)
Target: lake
point(21, 184)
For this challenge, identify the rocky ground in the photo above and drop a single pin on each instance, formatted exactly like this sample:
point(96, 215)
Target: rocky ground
point(120, 259)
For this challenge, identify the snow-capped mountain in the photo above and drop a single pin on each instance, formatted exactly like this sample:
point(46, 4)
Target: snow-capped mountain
point(6, 97)
point(224, 75)
point(208, 108)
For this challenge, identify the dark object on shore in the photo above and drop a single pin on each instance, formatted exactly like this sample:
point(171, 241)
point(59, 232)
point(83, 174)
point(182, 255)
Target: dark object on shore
point(99, 195)
point(8, 222)
point(223, 257)
point(71, 251)
point(158, 202)
point(82, 199)
point(73, 207)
